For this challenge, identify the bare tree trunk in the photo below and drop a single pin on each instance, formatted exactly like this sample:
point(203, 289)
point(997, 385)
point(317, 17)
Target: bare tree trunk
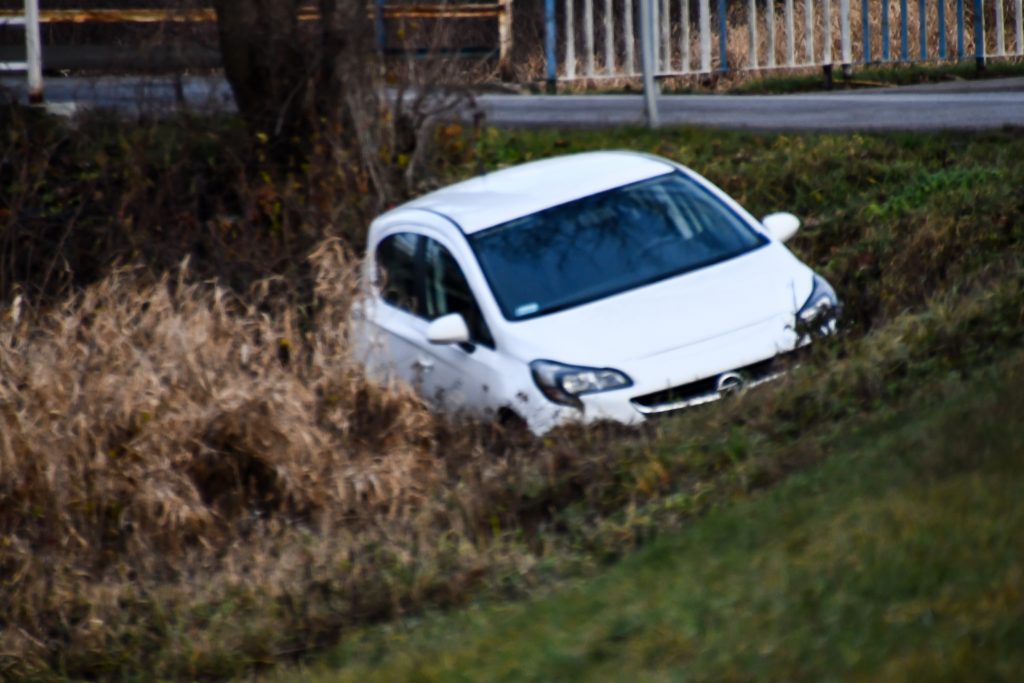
point(268, 64)
point(318, 88)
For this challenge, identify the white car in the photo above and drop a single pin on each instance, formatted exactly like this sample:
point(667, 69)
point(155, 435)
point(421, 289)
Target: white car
point(596, 286)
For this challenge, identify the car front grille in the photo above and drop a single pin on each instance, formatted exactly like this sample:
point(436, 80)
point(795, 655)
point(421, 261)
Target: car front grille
point(706, 390)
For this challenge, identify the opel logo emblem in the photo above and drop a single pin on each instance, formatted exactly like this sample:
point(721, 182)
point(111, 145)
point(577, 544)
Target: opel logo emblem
point(730, 383)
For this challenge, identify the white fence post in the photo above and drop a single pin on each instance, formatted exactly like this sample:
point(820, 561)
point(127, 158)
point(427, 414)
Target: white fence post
point(769, 16)
point(570, 41)
point(705, 37)
point(655, 33)
point(844, 33)
point(752, 31)
point(1000, 38)
point(826, 20)
point(33, 52)
point(790, 37)
point(647, 57)
point(809, 30)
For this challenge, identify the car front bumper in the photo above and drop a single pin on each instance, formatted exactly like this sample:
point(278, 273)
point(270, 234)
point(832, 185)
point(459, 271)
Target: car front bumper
point(686, 377)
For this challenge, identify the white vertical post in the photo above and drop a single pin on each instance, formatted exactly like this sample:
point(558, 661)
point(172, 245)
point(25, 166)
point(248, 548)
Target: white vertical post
point(705, 37)
point(790, 36)
point(809, 30)
point(1020, 27)
point(844, 31)
point(570, 41)
point(504, 32)
point(588, 36)
point(826, 20)
point(752, 30)
point(684, 38)
point(769, 15)
point(647, 53)
point(655, 33)
point(1000, 38)
point(666, 35)
point(609, 38)
point(33, 52)
point(627, 29)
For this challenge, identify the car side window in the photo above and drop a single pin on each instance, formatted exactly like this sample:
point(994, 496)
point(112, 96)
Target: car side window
point(396, 271)
point(447, 291)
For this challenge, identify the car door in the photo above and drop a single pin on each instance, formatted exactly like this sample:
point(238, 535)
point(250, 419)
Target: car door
point(417, 280)
point(462, 377)
point(394, 326)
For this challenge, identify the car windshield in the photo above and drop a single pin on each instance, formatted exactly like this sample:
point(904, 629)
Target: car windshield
point(608, 243)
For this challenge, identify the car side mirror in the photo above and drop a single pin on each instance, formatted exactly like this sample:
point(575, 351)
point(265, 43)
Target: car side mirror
point(448, 329)
point(781, 225)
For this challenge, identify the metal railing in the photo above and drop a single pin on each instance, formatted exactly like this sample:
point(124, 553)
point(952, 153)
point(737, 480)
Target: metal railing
point(599, 39)
point(380, 10)
point(33, 63)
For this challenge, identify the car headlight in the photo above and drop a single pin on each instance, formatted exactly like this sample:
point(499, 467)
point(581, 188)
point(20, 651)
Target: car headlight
point(822, 306)
point(564, 384)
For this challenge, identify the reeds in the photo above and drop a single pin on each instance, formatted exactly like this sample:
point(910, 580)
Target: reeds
point(169, 447)
point(145, 423)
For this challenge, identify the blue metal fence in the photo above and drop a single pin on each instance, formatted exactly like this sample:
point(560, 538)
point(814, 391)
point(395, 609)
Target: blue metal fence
point(602, 45)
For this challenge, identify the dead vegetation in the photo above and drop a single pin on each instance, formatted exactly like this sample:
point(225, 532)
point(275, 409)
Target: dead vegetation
point(196, 479)
point(170, 448)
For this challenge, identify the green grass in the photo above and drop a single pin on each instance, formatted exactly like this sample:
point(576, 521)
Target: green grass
point(898, 558)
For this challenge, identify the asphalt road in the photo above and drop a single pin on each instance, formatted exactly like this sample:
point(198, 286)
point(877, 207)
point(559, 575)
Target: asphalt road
point(816, 112)
point(970, 105)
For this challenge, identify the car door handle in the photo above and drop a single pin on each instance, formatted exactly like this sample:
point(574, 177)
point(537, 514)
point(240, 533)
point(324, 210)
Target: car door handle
point(423, 365)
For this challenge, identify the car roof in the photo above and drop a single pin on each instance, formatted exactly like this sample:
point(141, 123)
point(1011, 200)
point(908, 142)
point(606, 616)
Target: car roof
point(495, 198)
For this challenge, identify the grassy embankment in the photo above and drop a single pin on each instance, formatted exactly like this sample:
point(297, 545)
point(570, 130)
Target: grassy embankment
point(197, 481)
point(896, 559)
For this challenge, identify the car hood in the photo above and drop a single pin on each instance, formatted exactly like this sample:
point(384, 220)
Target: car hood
point(685, 310)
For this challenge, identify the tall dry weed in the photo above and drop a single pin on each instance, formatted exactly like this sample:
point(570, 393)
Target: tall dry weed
point(146, 422)
point(163, 410)
point(170, 448)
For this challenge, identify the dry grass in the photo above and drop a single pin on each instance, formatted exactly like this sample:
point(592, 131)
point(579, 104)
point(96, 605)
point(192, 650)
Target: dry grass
point(149, 427)
point(195, 485)
point(190, 479)
point(150, 387)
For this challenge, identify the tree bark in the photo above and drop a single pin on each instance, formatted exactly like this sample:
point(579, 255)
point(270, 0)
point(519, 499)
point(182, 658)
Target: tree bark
point(268, 64)
point(318, 88)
